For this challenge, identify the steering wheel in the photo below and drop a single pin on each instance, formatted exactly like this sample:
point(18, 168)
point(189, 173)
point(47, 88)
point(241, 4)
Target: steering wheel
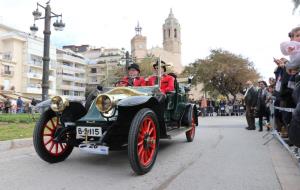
point(122, 83)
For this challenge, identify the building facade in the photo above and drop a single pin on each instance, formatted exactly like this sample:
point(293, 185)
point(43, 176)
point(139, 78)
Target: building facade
point(103, 66)
point(21, 63)
point(171, 50)
point(71, 74)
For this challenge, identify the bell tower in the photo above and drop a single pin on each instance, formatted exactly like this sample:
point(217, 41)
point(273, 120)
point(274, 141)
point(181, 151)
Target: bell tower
point(172, 34)
point(138, 44)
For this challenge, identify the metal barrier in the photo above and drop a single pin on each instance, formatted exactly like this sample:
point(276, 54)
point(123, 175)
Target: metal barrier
point(294, 151)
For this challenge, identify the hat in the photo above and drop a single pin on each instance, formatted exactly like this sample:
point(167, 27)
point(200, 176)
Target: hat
point(134, 66)
point(162, 63)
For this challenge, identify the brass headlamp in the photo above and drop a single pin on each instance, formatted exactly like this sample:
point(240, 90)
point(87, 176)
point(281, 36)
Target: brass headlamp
point(59, 103)
point(104, 103)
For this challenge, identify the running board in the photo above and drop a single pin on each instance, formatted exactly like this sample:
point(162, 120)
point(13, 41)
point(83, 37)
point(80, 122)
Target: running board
point(177, 131)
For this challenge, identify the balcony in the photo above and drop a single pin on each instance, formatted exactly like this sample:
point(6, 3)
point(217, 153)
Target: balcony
point(71, 87)
point(93, 82)
point(73, 78)
point(39, 76)
point(97, 74)
point(36, 89)
point(78, 98)
point(74, 69)
point(70, 58)
point(39, 64)
point(7, 73)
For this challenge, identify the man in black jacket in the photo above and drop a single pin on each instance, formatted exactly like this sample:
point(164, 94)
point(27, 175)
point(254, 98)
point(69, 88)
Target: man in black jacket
point(261, 107)
point(250, 101)
point(294, 129)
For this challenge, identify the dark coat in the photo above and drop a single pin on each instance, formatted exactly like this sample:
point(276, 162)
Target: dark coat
point(294, 129)
point(251, 97)
point(286, 90)
point(261, 107)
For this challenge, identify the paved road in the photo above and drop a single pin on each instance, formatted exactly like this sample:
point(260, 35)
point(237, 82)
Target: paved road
point(223, 156)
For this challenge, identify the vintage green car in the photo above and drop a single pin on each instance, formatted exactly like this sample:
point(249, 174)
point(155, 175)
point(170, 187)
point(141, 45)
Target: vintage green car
point(135, 118)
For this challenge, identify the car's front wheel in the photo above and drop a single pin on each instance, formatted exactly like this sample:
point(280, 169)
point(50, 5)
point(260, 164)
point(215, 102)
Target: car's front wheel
point(45, 144)
point(143, 141)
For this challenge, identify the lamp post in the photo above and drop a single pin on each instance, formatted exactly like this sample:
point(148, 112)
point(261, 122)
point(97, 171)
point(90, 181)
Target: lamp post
point(58, 25)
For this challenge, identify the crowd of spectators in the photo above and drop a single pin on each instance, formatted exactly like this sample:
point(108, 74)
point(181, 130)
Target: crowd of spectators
point(282, 91)
point(15, 106)
point(219, 107)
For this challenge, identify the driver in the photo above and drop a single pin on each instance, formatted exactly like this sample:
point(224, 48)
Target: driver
point(133, 78)
point(166, 81)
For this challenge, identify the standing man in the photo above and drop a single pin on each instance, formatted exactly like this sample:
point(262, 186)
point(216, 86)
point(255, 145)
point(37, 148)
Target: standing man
point(19, 105)
point(203, 106)
point(261, 103)
point(250, 101)
point(7, 105)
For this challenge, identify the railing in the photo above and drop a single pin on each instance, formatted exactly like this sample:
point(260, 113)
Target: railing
point(6, 56)
point(39, 76)
point(275, 134)
point(73, 78)
point(75, 69)
point(35, 89)
point(71, 87)
point(7, 73)
point(40, 64)
point(70, 58)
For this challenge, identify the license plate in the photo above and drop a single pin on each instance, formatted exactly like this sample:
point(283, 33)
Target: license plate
point(94, 149)
point(81, 132)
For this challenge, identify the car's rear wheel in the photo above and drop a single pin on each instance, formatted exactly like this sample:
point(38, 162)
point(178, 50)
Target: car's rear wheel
point(143, 141)
point(191, 133)
point(44, 139)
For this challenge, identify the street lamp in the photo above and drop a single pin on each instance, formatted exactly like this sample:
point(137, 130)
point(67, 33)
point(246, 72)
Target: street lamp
point(58, 25)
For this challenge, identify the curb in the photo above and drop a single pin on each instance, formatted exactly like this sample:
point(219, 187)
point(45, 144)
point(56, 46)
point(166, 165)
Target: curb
point(15, 143)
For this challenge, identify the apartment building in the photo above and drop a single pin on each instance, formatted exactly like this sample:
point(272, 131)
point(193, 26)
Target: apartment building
point(103, 66)
point(70, 74)
point(21, 63)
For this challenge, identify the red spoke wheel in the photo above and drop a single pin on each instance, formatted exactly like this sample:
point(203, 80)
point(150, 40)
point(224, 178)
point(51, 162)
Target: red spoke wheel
point(191, 133)
point(44, 140)
point(143, 141)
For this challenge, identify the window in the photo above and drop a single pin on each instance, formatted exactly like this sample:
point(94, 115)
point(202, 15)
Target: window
point(169, 33)
point(164, 34)
point(66, 92)
point(76, 93)
point(94, 79)
point(7, 70)
point(175, 33)
point(93, 70)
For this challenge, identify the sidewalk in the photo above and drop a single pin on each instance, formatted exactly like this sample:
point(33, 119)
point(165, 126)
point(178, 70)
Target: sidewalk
point(286, 167)
point(15, 143)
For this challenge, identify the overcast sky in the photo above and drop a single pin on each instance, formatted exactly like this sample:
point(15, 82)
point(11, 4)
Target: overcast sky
point(252, 28)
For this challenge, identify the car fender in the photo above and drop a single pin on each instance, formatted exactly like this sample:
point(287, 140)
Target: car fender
point(136, 100)
point(127, 108)
point(185, 118)
point(44, 104)
point(74, 111)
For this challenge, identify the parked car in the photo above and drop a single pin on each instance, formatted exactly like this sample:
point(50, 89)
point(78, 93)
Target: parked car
point(135, 118)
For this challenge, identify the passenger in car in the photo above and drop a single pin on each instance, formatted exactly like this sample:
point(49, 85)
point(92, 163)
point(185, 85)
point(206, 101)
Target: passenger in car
point(166, 81)
point(133, 78)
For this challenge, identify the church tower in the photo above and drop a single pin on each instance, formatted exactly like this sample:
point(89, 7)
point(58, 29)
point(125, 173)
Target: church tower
point(172, 34)
point(138, 44)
